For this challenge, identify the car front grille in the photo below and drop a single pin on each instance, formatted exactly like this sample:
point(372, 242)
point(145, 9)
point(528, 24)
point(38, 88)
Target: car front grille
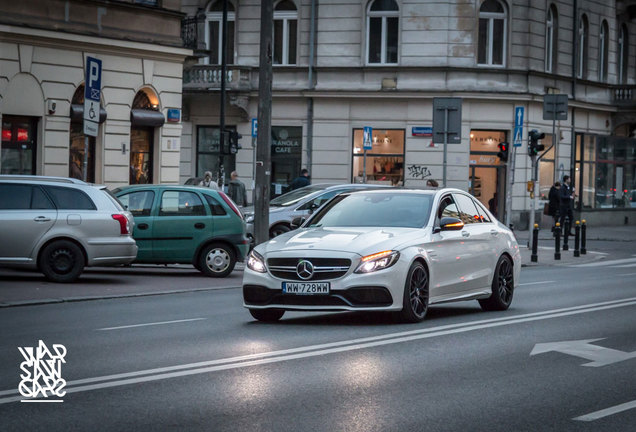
point(324, 268)
point(367, 296)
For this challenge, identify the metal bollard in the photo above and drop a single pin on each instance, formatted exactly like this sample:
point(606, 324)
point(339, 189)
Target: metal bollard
point(566, 233)
point(535, 240)
point(583, 236)
point(577, 234)
point(557, 241)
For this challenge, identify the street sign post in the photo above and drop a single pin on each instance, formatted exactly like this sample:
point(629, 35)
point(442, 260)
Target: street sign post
point(367, 144)
point(518, 135)
point(447, 124)
point(92, 99)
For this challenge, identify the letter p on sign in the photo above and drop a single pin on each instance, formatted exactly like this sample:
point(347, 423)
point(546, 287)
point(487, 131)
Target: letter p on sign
point(93, 79)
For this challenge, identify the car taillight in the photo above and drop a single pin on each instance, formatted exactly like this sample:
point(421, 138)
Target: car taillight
point(124, 225)
point(230, 203)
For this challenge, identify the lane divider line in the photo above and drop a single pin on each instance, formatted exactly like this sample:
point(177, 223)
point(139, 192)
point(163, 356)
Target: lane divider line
point(607, 412)
point(536, 283)
point(150, 324)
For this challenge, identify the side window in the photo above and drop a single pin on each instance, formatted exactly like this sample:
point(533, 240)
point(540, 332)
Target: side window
point(39, 201)
point(181, 203)
point(66, 198)
point(15, 197)
point(320, 200)
point(447, 208)
point(483, 214)
point(138, 203)
point(215, 206)
point(467, 210)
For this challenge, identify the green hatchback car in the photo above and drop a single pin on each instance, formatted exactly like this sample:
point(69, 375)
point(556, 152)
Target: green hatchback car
point(186, 225)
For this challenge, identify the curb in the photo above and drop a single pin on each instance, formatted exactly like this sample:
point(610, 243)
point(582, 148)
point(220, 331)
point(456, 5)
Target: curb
point(108, 297)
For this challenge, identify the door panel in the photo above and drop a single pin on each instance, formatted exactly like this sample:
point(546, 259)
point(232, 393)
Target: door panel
point(140, 204)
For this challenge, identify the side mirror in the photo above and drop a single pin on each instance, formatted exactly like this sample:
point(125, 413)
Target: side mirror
point(451, 224)
point(297, 222)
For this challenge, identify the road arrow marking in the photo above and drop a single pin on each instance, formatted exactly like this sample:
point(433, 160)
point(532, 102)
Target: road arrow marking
point(600, 356)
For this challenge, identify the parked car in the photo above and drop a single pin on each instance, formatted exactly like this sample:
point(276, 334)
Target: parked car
point(61, 225)
point(399, 250)
point(186, 225)
point(299, 203)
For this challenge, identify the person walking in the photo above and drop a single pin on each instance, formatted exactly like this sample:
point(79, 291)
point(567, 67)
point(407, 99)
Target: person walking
point(301, 181)
point(208, 182)
point(566, 199)
point(236, 190)
point(554, 203)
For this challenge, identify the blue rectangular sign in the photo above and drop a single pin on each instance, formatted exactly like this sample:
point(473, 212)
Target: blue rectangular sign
point(519, 116)
point(254, 127)
point(93, 87)
point(423, 131)
point(367, 140)
point(174, 115)
point(518, 131)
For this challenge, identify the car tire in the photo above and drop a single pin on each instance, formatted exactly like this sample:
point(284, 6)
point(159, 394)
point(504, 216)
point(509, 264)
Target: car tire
point(278, 230)
point(502, 287)
point(416, 292)
point(267, 315)
point(217, 260)
point(62, 261)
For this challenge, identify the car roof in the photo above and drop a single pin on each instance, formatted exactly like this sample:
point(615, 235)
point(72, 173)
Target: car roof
point(37, 178)
point(163, 186)
point(419, 191)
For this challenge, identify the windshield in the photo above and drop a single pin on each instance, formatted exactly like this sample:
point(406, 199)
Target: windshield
point(388, 209)
point(291, 198)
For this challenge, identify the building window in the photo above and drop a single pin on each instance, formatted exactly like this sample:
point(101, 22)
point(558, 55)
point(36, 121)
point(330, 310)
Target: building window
point(546, 169)
point(19, 145)
point(551, 40)
point(383, 19)
point(605, 172)
point(285, 33)
point(385, 162)
point(603, 45)
point(623, 54)
point(213, 33)
point(581, 67)
point(208, 153)
point(492, 33)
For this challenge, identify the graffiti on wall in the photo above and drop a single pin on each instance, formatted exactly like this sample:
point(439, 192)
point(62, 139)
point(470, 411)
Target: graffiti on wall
point(418, 171)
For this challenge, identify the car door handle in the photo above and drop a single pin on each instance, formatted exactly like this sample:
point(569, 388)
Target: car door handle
point(494, 232)
point(465, 234)
point(199, 225)
point(142, 226)
point(42, 219)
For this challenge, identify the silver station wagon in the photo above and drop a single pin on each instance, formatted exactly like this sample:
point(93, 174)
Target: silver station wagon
point(60, 225)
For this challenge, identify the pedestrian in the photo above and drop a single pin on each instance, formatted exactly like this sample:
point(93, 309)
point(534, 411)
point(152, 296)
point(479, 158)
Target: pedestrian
point(300, 181)
point(566, 200)
point(208, 182)
point(554, 203)
point(236, 190)
point(432, 183)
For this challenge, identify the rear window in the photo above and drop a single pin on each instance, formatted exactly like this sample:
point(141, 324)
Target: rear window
point(113, 199)
point(66, 198)
point(23, 197)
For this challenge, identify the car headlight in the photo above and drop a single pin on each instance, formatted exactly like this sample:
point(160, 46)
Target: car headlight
point(249, 217)
point(377, 261)
point(255, 262)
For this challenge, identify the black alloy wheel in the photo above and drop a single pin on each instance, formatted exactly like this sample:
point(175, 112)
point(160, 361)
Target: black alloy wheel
point(278, 230)
point(416, 292)
point(61, 261)
point(502, 287)
point(267, 315)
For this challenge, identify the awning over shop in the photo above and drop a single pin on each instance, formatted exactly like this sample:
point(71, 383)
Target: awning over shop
point(145, 117)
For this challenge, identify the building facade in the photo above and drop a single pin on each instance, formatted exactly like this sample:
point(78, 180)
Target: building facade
point(44, 45)
point(340, 66)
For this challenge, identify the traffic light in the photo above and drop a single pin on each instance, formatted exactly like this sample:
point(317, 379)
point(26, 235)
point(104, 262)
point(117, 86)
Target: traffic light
point(503, 151)
point(534, 147)
point(234, 141)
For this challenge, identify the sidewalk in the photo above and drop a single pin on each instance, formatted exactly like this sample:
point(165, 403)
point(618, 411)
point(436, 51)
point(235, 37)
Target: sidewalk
point(546, 250)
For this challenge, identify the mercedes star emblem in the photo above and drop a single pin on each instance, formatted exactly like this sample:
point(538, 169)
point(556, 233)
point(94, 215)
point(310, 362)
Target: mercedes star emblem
point(305, 269)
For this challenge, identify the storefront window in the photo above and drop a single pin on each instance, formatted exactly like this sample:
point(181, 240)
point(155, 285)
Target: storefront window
point(140, 155)
point(208, 153)
point(286, 157)
point(385, 162)
point(18, 145)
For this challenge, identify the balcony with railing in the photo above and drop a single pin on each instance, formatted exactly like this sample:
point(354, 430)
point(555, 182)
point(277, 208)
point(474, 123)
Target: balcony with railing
point(208, 77)
point(624, 95)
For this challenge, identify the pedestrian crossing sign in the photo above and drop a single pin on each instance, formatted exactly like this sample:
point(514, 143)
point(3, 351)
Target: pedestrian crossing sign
point(366, 141)
point(518, 136)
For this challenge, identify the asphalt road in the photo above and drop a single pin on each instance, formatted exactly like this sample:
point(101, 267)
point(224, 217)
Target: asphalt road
point(197, 361)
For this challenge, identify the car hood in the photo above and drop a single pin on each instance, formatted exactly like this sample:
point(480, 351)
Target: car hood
point(363, 241)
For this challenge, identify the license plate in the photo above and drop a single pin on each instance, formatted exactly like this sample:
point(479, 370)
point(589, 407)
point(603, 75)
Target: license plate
point(306, 288)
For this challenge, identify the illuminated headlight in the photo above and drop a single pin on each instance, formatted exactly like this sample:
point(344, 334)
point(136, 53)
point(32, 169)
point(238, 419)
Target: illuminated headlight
point(249, 217)
point(378, 261)
point(255, 262)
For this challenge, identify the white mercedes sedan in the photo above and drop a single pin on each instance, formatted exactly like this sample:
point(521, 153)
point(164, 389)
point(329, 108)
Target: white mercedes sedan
point(398, 250)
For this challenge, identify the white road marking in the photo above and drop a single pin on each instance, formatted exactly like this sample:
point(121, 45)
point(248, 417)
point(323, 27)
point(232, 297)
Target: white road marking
point(319, 350)
point(599, 355)
point(624, 266)
point(607, 263)
point(607, 412)
point(150, 324)
point(626, 274)
point(536, 283)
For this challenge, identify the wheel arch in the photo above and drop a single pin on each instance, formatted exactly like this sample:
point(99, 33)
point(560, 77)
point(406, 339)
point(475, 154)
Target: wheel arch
point(222, 240)
point(54, 239)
